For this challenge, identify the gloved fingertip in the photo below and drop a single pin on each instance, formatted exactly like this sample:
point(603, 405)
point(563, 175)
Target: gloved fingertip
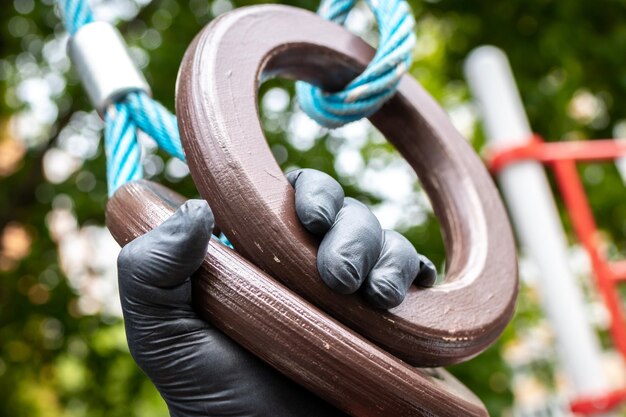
point(427, 274)
point(319, 197)
point(350, 248)
point(292, 176)
point(198, 215)
point(338, 277)
point(167, 255)
point(316, 220)
point(397, 266)
point(383, 294)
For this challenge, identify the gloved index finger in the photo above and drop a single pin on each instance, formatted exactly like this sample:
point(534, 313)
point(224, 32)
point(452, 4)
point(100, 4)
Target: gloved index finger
point(350, 249)
point(318, 199)
point(398, 266)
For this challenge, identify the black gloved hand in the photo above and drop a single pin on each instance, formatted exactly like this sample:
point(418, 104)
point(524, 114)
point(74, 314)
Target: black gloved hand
point(355, 251)
point(197, 369)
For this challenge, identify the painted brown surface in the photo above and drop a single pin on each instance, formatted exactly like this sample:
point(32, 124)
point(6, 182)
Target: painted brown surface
point(289, 333)
point(284, 324)
point(236, 173)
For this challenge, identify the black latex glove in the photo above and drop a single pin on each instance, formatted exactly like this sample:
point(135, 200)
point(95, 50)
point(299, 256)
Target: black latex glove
point(197, 369)
point(355, 251)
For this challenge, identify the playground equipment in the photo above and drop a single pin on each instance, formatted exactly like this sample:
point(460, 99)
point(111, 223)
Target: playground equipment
point(516, 155)
point(234, 170)
point(357, 357)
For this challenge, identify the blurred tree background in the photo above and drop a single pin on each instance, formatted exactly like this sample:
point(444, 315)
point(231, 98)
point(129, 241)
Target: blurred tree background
point(62, 345)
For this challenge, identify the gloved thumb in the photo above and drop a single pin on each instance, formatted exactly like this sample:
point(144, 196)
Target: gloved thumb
point(166, 256)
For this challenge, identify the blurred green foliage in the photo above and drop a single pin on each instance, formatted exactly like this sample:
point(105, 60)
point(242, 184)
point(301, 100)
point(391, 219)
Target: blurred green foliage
point(57, 361)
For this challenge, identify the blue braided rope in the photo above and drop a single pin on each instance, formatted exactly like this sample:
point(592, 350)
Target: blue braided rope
point(135, 111)
point(155, 120)
point(76, 13)
point(121, 147)
point(361, 98)
point(369, 91)
point(122, 120)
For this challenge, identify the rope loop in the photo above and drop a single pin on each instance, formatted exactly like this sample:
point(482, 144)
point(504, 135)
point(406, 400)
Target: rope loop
point(371, 89)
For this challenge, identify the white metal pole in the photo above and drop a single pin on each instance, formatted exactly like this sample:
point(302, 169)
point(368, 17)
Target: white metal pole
point(536, 220)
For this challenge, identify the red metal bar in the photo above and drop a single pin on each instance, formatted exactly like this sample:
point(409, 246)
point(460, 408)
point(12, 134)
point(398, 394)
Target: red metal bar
point(619, 270)
point(598, 404)
point(537, 150)
point(584, 224)
point(562, 156)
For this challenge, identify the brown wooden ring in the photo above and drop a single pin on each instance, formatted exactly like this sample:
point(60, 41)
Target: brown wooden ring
point(289, 333)
point(236, 173)
point(265, 317)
